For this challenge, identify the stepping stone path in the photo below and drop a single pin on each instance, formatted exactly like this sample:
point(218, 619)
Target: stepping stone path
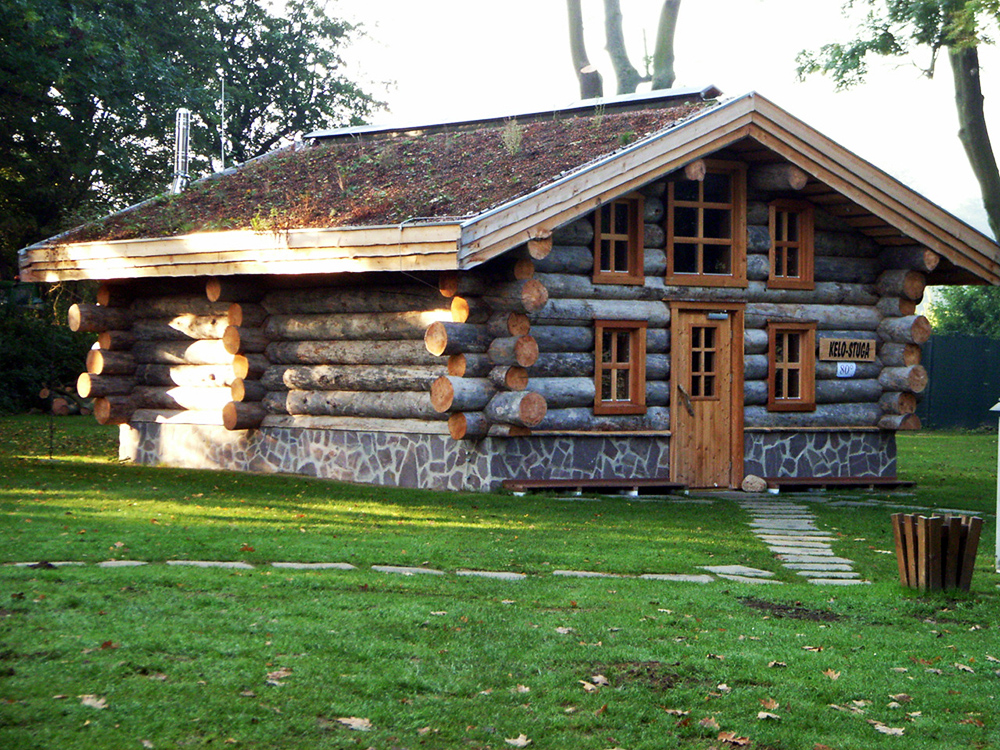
point(789, 530)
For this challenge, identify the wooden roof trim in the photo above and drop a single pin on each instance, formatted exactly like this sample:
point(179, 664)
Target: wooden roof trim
point(492, 233)
point(874, 190)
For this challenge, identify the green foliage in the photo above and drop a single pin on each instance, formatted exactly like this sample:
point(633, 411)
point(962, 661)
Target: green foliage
point(971, 310)
point(36, 351)
point(90, 88)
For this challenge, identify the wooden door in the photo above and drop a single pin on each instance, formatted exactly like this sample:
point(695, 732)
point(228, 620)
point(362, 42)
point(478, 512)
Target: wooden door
point(706, 404)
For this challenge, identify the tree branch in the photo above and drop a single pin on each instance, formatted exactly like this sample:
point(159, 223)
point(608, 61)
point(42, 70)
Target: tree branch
point(591, 85)
point(625, 72)
point(663, 53)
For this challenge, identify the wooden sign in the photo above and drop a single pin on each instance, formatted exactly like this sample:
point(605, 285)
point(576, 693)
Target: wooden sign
point(852, 350)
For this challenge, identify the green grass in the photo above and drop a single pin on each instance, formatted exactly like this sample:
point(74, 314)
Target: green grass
point(181, 656)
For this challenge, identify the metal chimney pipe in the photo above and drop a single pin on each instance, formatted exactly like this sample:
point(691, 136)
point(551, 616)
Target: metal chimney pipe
point(182, 140)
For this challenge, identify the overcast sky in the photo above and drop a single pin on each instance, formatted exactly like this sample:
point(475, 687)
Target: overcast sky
point(450, 59)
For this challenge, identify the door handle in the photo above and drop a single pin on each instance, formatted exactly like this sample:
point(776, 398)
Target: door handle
point(686, 399)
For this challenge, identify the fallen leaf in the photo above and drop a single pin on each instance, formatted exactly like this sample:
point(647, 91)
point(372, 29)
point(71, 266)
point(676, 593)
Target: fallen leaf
point(439, 613)
point(893, 704)
point(521, 689)
point(589, 686)
point(932, 670)
point(601, 711)
point(279, 674)
point(821, 746)
point(709, 722)
point(878, 726)
point(59, 697)
point(109, 644)
point(730, 738)
point(146, 743)
point(814, 649)
point(715, 656)
point(93, 701)
point(157, 677)
point(356, 723)
point(974, 722)
point(520, 741)
point(723, 688)
point(965, 668)
point(915, 714)
point(769, 703)
point(767, 715)
point(676, 712)
point(247, 548)
point(901, 697)
point(900, 670)
point(424, 731)
point(599, 679)
point(564, 631)
point(992, 658)
point(777, 664)
point(831, 674)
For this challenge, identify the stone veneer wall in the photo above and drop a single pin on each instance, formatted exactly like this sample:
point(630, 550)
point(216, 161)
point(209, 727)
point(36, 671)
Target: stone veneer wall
point(820, 454)
point(406, 460)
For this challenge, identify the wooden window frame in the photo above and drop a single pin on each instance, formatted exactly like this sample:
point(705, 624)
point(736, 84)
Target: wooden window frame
point(634, 273)
point(806, 400)
point(636, 367)
point(737, 242)
point(778, 209)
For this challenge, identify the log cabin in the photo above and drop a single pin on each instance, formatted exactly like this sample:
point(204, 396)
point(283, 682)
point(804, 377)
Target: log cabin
point(662, 288)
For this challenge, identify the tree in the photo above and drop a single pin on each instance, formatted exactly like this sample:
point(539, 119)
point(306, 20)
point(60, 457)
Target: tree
point(971, 310)
point(627, 76)
point(894, 28)
point(88, 89)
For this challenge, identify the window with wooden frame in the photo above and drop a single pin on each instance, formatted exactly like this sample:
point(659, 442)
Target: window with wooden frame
point(791, 228)
point(618, 240)
point(620, 367)
point(706, 226)
point(791, 380)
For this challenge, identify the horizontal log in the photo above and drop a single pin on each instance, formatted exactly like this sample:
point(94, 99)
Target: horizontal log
point(179, 397)
point(899, 355)
point(910, 257)
point(897, 402)
point(385, 405)
point(564, 338)
point(653, 210)
point(242, 340)
point(521, 408)
point(901, 283)
point(513, 350)
point(383, 326)
point(573, 259)
point(913, 329)
point(351, 353)
point(656, 419)
point(469, 365)
point(468, 425)
point(111, 294)
point(827, 370)
point(116, 340)
point(754, 392)
point(526, 296)
point(191, 375)
point(100, 362)
point(758, 239)
point(755, 341)
point(578, 232)
point(758, 212)
point(509, 377)
point(249, 365)
point(455, 338)
point(234, 289)
point(569, 286)
point(860, 317)
point(581, 311)
point(695, 170)
point(755, 366)
point(653, 236)
point(450, 393)
point(895, 307)
point(843, 244)
point(562, 393)
point(853, 270)
point(825, 415)
point(96, 386)
point(181, 353)
point(113, 409)
point(838, 334)
point(247, 390)
point(88, 318)
point(563, 364)
point(246, 314)
point(508, 324)
point(776, 177)
point(352, 377)
point(178, 304)
point(758, 267)
point(912, 379)
point(180, 327)
point(539, 247)
point(899, 422)
point(345, 300)
point(468, 311)
point(847, 391)
point(242, 415)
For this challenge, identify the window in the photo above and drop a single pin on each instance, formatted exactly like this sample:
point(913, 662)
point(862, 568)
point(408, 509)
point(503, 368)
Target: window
point(618, 242)
point(704, 362)
point(792, 367)
point(706, 227)
point(620, 367)
point(791, 227)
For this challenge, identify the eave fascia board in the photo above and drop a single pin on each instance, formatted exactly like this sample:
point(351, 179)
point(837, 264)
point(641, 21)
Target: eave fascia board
point(495, 231)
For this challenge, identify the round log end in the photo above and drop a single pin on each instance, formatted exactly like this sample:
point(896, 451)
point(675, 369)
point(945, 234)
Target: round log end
point(913, 285)
point(532, 409)
point(696, 170)
point(213, 289)
point(74, 318)
point(242, 416)
point(234, 314)
point(241, 366)
point(516, 378)
point(518, 324)
point(238, 390)
point(540, 247)
point(442, 394)
point(459, 309)
point(922, 329)
point(436, 338)
point(112, 410)
point(95, 361)
point(524, 268)
point(231, 339)
point(457, 365)
point(448, 283)
point(918, 378)
point(458, 426)
point(534, 295)
point(526, 351)
point(83, 385)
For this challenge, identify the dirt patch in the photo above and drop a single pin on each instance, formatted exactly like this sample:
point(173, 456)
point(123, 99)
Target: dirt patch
point(651, 674)
point(792, 611)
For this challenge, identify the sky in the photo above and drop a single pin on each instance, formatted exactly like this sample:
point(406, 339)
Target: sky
point(440, 60)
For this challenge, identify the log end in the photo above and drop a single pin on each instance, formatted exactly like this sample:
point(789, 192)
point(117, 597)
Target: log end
point(532, 409)
point(516, 378)
point(84, 384)
point(436, 338)
point(540, 247)
point(526, 351)
point(442, 394)
point(921, 330)
point(112, 410)
point(231, 339)
point(534, 295)
point(242, 416)
point(213, 289)
point(459, 309)
point(241, 366)
point(448, 283)
point(457, 365)
point(74, 318)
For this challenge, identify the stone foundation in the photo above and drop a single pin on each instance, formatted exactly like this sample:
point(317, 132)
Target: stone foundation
point(820, 454)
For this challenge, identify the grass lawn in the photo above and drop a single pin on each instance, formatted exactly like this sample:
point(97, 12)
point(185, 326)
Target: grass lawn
point(167, 656)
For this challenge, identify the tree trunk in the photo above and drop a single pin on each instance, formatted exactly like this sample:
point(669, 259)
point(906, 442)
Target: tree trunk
point(847, 391)
point(526, 296)
point(856, 270)
point(508, 324)
point(663, 52)
point(826, 415)
point(468, 425)
point(896, 307)
point(564, 393)
point(180, 327)
point(113, 409)
point(911, 379)
point(897, 402)
point(449, 393)
point(755, 341)
point(899, 422)
point(901, 283)
point(246, 314)
point(351, 353)
point(591, 86)
point(780, 177)
point(395, 405)
point(973, 132)
point(242, 415)
point(913, 329)
point(583, 311)
point(827, 317)
point(521, 408)
point(383, 326)
point(509, 377)
point(899, 355)
point(97, 386)
point(351, 377)
point(913, 257)
point(116, 340)
point(181, 353)
point(469, 365)
point(180, 304)
point(627, 76)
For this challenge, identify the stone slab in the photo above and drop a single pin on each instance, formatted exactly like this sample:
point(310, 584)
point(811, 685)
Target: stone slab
point(406, 571)
point(812, 573)
point(837, 582)
point(583, 574)
point(737, 570)
point(212, 564)
point(678, 577)
point(796, 541)
point(54, 563)
point(314, 566)
point(818, 567)
point(500, 575)
point(121, 564)
point(785, 525)
point(814, 559)
point(748, 579)
point(800, 533)
point(816, 551)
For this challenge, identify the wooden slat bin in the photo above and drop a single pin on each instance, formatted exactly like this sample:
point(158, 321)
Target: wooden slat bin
point(936, 552)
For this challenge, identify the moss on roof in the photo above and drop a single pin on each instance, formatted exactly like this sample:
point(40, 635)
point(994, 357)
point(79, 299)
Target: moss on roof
point(383, 181)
